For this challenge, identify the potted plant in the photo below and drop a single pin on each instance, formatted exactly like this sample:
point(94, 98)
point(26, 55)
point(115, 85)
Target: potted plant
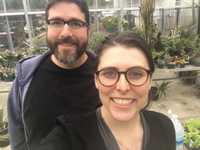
point(159, 90)
point(192, 134)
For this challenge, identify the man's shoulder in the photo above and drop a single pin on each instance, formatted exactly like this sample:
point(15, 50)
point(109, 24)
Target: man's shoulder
point(25, 67)
point(32, 59)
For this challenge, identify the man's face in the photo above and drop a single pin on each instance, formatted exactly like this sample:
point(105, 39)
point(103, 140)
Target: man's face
point(66, 42)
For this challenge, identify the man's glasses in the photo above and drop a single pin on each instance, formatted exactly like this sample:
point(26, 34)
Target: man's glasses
point(136, 76)
point(73, 23)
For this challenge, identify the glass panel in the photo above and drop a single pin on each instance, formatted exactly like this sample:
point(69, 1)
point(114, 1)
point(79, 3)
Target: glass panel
point(39, 30)
point(1, 6)
point(3, 34)
point(17, 24)
point(38, 4)
point(12, 5)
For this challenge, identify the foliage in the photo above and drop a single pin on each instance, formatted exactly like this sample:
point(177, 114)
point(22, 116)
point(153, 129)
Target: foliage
point(146, 12)
point(138, 31)
point(95, 39)
point(37, 46)
point(176, 49)
point(192, 133)
point(8, 60)
point(111, 23)
point(160, 90)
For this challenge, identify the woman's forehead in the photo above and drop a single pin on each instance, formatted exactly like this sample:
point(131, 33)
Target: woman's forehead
point(120, 56)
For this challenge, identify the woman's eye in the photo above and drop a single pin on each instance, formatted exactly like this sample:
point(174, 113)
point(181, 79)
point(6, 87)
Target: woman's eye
point(109, 74)
point(135, 75)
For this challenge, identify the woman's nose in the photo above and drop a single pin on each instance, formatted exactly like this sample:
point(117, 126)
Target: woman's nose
point(123, 85)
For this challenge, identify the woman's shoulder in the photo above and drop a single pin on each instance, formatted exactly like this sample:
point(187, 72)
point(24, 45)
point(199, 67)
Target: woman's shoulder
point(158, 121)
point(162, 132)
point(155, 117)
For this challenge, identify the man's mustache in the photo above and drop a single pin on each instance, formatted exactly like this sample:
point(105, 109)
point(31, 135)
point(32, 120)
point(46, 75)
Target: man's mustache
point(67, 40)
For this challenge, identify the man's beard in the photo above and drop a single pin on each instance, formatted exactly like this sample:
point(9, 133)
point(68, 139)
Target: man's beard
point(63, 56)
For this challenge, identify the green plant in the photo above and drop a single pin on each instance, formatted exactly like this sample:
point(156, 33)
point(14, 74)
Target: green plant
point(162, 88)
point(8, 60)
point(37, 46)
point(95, 39)
point(111, 23)
point(192, 133)
point(158, 90)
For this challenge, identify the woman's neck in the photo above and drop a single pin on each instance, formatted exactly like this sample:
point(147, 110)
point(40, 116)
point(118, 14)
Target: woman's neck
point(127, 133)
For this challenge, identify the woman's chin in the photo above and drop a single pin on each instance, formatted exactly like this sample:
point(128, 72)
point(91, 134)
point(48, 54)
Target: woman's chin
point(123, 116)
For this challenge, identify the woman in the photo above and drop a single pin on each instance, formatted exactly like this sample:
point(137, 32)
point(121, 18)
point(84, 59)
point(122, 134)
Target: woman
point(123, 79)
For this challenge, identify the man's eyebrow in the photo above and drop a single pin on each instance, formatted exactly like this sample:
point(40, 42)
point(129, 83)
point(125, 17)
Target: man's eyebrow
point(56, 18)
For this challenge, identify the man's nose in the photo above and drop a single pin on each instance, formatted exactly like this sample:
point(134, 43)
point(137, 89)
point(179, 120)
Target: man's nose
point(66, 31)
point(122, 84)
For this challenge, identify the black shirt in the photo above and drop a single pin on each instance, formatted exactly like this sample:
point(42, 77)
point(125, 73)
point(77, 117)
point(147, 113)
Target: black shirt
point(55, 91)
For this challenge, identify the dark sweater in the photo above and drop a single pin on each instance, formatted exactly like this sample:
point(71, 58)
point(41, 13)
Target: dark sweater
point(84, 134)
point(55, 91)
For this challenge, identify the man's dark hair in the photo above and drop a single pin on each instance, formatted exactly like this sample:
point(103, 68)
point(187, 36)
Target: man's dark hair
point(80, 3)
point(127, 39)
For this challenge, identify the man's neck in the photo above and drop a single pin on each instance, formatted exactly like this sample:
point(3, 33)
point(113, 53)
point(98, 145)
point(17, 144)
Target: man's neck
point(81, 60)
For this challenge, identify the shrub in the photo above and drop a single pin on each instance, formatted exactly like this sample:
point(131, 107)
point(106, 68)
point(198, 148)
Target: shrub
point(192, 133)
point(95, 39)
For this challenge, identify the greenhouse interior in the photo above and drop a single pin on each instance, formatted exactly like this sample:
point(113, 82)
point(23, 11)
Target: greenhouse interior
point(170, 27)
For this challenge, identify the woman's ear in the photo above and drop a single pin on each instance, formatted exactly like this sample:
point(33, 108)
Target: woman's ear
point(150, 82)
point(96, 81)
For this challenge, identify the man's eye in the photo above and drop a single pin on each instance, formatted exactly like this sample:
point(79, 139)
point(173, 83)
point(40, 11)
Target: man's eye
point(75, 24)
point(56, 22)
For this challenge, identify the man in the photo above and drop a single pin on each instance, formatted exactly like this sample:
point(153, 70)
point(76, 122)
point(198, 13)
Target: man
point(57, 82)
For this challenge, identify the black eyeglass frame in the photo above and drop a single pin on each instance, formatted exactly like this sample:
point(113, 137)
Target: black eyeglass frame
point(83, 24)
point(125, 74)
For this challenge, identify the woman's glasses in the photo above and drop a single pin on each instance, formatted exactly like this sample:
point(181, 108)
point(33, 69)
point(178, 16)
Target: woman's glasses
point(136, 76)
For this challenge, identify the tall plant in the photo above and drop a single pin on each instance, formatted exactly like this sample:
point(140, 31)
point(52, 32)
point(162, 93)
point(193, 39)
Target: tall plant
point(146, 11)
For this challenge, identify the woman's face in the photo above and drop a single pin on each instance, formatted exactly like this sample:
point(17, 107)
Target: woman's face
point(122, 101)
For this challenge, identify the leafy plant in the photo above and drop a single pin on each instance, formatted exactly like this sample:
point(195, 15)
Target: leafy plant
point(159, 90)
point(192, 133)
point(37, 45)
point(8, 60)
point(162, 88)
point(95, 39)
point(111, 23)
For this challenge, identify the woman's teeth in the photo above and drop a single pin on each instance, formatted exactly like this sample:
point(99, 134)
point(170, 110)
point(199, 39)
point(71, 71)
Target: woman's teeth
point(123, 101)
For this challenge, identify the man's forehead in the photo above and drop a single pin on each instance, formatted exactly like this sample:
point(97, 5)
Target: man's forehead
point(66, 10)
